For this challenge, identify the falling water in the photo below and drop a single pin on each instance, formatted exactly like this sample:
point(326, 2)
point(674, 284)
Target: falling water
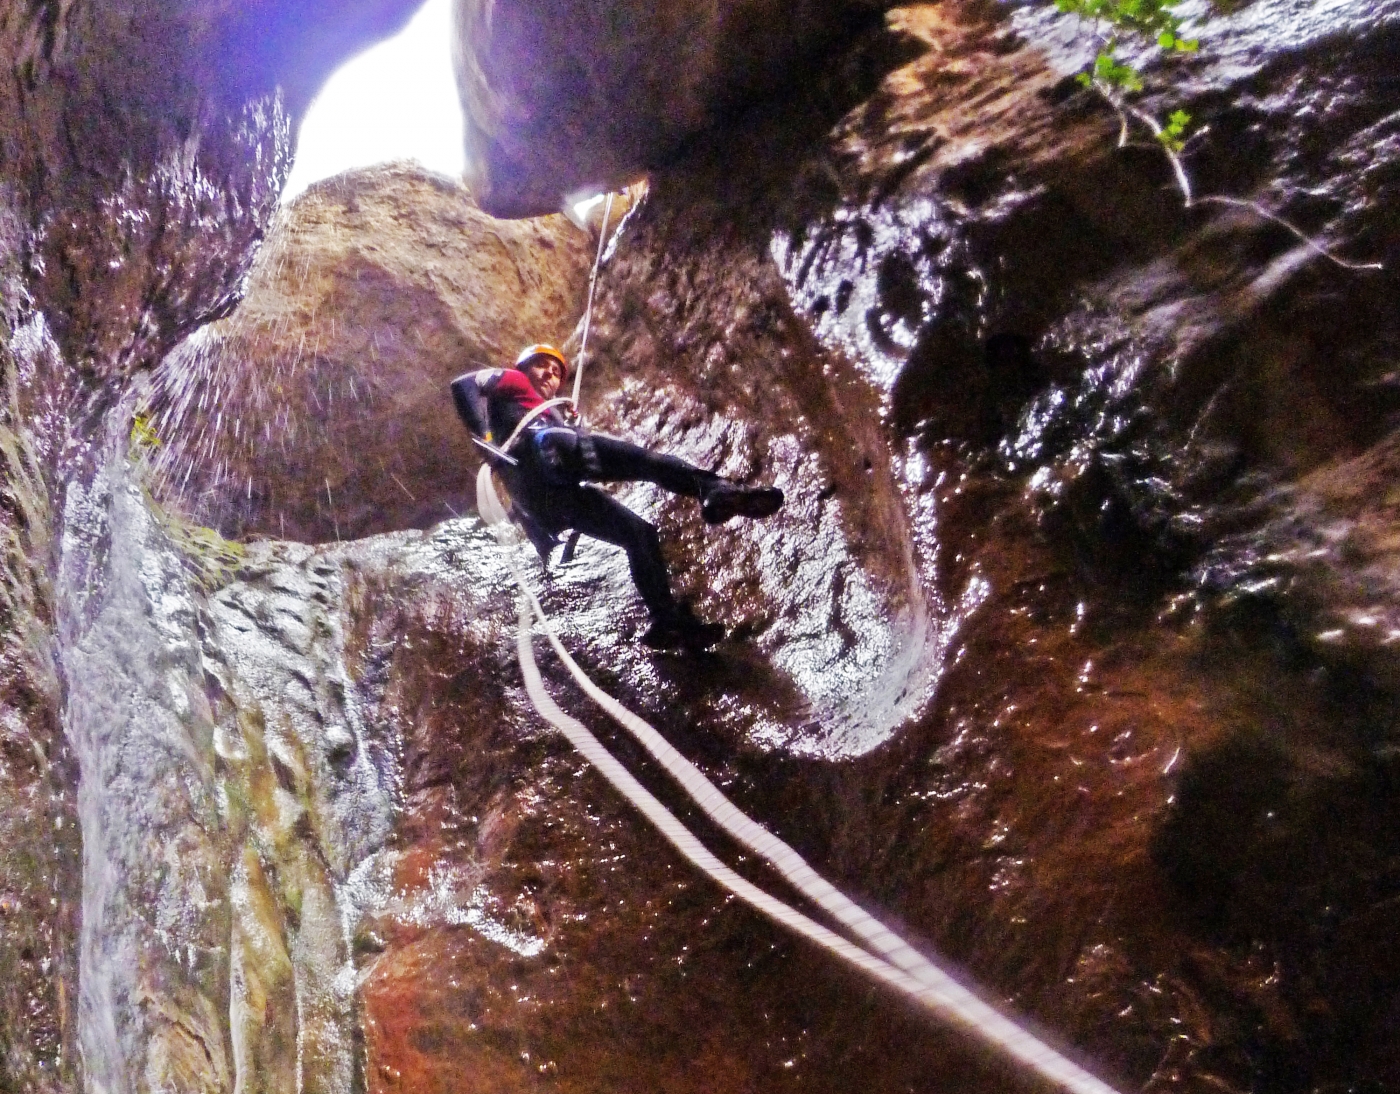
point(229, 787)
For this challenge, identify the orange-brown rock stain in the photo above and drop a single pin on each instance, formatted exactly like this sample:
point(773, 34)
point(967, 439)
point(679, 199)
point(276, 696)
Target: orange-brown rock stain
point(599, 961)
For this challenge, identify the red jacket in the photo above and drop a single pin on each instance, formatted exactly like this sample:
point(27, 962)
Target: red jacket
point(496, 399)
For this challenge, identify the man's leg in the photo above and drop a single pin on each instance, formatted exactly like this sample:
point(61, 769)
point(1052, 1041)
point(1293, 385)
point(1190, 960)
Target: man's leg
point(588, 510)
point(621, 461)
point(594, 513)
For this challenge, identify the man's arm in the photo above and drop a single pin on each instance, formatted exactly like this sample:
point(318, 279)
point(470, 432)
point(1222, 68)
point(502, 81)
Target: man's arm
point(470, 394)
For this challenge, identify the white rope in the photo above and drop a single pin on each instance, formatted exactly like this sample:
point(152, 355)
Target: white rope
point(530, 416)
point(893, 961)
point(588, 310)
point(583, 345)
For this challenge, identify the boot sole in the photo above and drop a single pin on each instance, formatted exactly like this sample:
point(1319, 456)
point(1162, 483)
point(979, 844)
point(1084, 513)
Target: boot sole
point(701, 639)
point(755, 505)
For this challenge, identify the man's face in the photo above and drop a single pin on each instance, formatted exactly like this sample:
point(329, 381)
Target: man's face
point(545, 375)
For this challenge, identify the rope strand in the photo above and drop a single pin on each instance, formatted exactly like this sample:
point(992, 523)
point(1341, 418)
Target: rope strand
point(588, 309)
point(895, 962)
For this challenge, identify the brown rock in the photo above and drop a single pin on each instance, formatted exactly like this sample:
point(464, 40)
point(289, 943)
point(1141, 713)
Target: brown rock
point(1152, 809)
point(1122, 781)
point(320, 409)
point(540, 935)
point(572, 97)
point(147, 143)
point(1330, 557)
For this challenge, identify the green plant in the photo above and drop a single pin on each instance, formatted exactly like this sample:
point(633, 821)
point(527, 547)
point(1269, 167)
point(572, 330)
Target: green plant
point(143, 434)
point(1156, 22)
point(1146, 21)
point(1173, 133)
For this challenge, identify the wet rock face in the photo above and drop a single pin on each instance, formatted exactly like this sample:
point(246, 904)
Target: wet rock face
point(1130, 458)
point(41, 855)
point(320, 410)
point(572, 97)
point(1323, 557)
point(140, 158)
point(1070, 650)
point(231, 787)
point(537, 934)
point(147, 143)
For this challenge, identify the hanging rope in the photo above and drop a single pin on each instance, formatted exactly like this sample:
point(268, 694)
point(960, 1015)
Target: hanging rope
point(583, 349)
point(573, 401)
point(885, 956)
point(889, 958)
point(588, 309)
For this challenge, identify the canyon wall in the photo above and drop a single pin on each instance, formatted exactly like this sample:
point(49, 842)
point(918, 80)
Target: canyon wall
point(566, 99)
point(142, 148)
point(1072, 651)
point(376, 289)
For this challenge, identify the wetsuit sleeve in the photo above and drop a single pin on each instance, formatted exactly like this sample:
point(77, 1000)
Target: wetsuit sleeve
point(470, 393)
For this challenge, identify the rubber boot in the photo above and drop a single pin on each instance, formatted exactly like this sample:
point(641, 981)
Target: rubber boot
point(682, 628)
point(726, 500)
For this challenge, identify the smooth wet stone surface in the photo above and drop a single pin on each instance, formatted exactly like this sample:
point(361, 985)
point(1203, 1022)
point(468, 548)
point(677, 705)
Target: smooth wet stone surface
point(1070, 651)
point(567, 100)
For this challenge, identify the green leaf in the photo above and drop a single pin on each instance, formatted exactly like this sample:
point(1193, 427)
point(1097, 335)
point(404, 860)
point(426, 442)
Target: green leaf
point(1145, 20)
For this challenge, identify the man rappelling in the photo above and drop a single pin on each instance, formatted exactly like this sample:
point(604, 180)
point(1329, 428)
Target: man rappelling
point(551, 465)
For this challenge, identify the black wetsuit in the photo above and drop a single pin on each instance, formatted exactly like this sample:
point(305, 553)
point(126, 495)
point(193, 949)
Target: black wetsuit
point(553, 461)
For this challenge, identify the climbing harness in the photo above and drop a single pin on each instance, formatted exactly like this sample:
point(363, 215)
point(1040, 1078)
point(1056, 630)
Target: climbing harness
point(529, 416)
point(882, 955)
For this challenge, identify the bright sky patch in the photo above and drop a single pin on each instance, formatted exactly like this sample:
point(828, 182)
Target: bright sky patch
point(395, 101)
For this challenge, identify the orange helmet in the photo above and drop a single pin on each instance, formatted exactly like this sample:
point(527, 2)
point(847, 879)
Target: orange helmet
point(540, 349)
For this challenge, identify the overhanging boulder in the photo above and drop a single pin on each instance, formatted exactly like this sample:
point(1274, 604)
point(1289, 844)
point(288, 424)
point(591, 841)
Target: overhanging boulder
point(571, 96)
point(320, 410)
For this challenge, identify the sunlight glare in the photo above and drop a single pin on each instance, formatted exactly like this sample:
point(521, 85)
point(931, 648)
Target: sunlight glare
point(396, 101)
